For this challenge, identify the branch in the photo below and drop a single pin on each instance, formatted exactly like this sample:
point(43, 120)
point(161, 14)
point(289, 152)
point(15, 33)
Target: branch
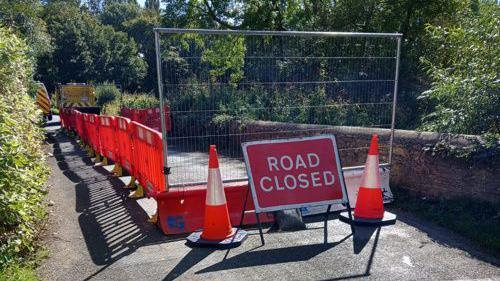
point(213, 15)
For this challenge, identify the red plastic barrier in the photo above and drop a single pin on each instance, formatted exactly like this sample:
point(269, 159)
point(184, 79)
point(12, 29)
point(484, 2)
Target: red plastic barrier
point(149, 117)
point(181, 210)
point(85, 127)
point(107, 137)
point(62, 117)
point(93, 132)
point(72, 119)
point(148, 158)
point(79, 123)
point(124, 144)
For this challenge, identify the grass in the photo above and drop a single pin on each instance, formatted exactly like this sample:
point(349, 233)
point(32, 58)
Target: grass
point(25, 270)
point(18, 272)
point(477, 220)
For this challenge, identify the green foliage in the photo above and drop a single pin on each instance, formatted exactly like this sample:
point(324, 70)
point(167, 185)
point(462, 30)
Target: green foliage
point(465, 94)
point(117, 14)
point(139, 101)
point(135, 101)
point(86, 50)
point(226, 57)
point(23, 172)
point(406, 16)
point(18, 273)
point(23, 16)
point(106, 93)
point(485, 150)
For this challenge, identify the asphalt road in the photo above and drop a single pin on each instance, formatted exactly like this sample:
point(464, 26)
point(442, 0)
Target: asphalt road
point(96, 233)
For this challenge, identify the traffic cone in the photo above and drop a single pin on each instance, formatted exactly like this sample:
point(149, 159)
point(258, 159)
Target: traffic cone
point(369, 208)
point(217, 230)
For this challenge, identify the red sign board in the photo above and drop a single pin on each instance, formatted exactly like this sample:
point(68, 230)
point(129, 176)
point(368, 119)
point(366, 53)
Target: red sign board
point(294, 173)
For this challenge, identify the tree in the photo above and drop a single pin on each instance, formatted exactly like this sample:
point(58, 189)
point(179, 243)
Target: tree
point(153, 5)
point(141, 29)
point(463, 66)
point(85, 50)
point(117, 14)
point(23, 16)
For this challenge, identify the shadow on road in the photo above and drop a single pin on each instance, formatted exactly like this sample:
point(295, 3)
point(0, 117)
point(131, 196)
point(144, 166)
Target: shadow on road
point(272, 256)
point(113, 226)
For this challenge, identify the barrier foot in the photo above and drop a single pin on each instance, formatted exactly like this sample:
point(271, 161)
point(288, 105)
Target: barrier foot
point(138, 193)
point(154, 219)
point(97, 158)
point(117, 170)
point(131, 184)
point(105, 161)
point(91, 153)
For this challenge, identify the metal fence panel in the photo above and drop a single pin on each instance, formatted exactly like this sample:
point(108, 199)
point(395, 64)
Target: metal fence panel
point(218, 82)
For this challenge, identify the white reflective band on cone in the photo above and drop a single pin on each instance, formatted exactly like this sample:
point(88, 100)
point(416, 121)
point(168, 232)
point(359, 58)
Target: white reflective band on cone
point(371, 175)
point(215, 190)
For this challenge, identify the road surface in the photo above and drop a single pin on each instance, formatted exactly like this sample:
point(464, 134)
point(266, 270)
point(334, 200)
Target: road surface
point(96, 233)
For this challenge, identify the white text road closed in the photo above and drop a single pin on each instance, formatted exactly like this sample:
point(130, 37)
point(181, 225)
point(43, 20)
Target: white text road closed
point(294, 172)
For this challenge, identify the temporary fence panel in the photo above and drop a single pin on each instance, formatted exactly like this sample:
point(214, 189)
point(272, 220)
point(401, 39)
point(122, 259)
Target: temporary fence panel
point(227, 87)
point(107, 137)
point(124, 144)
point(148, 159)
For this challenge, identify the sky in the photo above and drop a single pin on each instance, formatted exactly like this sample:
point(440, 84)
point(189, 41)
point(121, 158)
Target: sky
point(141, 2)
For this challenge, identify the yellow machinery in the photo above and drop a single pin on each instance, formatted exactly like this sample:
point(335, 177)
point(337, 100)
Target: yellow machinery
point(76, 95)
point(43, 101)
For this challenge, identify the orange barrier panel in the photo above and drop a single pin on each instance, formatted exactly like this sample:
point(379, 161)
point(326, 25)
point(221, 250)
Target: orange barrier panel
point(139, 150)
point(180, 210)
point(148, 158)
point(107, 137)
point(93, 132)
point(149, 117)
point(124, 144)
point(79, 123)
point(85, 129)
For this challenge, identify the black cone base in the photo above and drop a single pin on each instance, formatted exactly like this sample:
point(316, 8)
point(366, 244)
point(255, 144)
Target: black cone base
point(195, 240)
point(388, 219)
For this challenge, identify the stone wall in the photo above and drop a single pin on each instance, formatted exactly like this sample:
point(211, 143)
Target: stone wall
point(413, 168)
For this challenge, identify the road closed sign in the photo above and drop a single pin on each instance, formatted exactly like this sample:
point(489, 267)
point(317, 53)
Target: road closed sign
point(294, 173)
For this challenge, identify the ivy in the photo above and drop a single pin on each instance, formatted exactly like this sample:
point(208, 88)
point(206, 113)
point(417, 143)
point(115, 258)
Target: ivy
point(483, 150)
point(23, 172)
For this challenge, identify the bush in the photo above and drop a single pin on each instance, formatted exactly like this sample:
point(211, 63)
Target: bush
point(23, 171)
point(137, 101)
point(106, 93)
point(465, 96)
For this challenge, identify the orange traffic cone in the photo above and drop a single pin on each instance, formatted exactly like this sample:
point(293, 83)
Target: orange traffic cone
point(369, 208)
point(217, 229)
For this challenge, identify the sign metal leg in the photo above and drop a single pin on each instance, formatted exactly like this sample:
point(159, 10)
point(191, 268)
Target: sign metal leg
point(244, 207)
point(260, 228)
point(325, 228)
